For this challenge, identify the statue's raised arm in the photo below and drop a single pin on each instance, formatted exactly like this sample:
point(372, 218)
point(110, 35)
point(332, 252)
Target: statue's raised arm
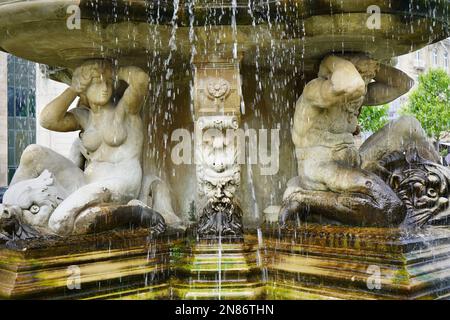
point(338, 81)
point(55, 117)
point(389, 84)
point(137, 90)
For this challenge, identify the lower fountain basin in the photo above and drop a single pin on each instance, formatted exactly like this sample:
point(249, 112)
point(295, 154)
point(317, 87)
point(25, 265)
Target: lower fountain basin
point(311, 262)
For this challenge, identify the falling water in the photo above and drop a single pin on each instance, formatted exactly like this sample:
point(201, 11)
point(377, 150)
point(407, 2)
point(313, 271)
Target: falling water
point(282, 54)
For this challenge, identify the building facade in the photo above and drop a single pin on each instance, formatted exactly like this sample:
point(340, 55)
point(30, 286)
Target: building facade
point(3, 120)
point(435, 56)
point(24, 91)
point(21, 101)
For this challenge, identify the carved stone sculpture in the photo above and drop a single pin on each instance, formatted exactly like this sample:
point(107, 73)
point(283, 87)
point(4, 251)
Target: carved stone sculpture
point(217, 101)
point(410, 166)
point(51, 192)
point(337, 182)
point(29, 205)
point(422, 185)
point(219, 177)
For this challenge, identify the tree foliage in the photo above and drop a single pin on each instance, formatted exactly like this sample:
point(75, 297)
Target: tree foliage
point(430, 102)
point(373, 118)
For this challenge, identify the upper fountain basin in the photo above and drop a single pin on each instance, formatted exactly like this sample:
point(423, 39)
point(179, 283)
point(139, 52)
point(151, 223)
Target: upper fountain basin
point(277, 34)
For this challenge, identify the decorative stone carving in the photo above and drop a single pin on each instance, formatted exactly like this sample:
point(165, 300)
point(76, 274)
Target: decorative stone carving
point(28, 206)
point(422, 184)
point(51, 192)
point(338, 183)
point(218, 122)
point(221, 215)
point(303, 27)
point(217, 89)
point(216, 149)
point(217, 107)
point(218, 175)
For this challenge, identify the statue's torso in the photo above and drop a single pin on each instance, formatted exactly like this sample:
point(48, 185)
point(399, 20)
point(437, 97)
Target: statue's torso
point(326, 134)
point(110, 144)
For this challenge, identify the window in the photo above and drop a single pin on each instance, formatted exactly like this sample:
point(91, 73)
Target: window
point(435, 57)
point(21, 109)
point(418, 57)
point(419, 64)
point(446, 60)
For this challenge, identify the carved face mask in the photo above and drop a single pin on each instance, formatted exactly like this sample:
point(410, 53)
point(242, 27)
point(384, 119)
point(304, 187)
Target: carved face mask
point(219, 186)
point(219, 191)
point(424, 189)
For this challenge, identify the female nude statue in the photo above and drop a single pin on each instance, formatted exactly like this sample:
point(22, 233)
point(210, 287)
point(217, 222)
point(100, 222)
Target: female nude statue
point(111, 141)
point(336, 181)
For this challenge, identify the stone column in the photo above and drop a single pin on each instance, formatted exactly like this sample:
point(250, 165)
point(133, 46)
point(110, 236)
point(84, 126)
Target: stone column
point(217, 101)
point(3, 120)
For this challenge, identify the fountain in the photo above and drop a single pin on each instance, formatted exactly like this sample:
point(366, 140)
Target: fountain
point(167, 200)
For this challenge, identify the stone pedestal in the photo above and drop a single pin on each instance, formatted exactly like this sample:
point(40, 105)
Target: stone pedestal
point(113, 265)
point(319, 262)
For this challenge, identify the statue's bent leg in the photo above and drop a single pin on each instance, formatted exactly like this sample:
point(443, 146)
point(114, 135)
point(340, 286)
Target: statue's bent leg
point(35, 159)
point(108, 191)
point(355, 197)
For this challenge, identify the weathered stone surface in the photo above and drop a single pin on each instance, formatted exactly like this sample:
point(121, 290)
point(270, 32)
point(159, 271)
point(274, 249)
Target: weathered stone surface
point(337, 182)
point(70, 196)
point(228, 268)
point(287, 40)
point(293, 31)
point(317, 262)
point(277, 59)
point(113, 265)
point(310, 262)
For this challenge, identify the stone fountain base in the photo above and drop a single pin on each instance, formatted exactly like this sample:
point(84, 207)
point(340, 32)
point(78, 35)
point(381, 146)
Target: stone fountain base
point(311, 262)
point(317, 262)
point(112, 265)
